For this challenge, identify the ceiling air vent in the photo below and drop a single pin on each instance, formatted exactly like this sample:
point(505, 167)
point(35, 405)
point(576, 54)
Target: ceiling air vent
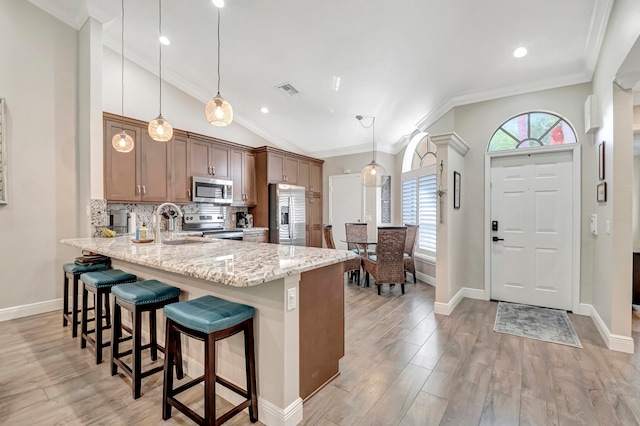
point(288, 89)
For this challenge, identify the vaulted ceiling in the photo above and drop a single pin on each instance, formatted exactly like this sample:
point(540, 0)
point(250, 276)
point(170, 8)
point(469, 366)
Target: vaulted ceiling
point(406, 62)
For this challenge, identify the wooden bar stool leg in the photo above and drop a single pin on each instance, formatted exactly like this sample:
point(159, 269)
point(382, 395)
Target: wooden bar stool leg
point(97, 304)
point(65, 300)
point(251, 371)
point(210, 381)
point(177, 345)
point(116, 335)
point(153, 335)
point(107, 309)
point(167, 388)
point(74, 314)
point(83, 330)
point(136, 368)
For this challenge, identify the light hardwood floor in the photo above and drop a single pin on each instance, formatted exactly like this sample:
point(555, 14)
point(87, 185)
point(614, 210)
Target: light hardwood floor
point(403, 366)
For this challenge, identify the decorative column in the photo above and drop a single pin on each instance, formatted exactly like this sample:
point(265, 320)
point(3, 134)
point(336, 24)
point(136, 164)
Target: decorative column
point(450, 208)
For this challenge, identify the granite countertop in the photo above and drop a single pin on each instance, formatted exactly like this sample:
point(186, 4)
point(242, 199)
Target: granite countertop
point(234, 263)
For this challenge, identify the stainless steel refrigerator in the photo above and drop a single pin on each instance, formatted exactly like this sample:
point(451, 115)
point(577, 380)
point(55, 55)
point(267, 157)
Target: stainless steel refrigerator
point(287, 216)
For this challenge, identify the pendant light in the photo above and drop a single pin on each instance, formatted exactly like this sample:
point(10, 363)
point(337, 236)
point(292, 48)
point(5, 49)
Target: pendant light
point(218, 111)
point(122, 142)
point(159, 129)
point(371, 175)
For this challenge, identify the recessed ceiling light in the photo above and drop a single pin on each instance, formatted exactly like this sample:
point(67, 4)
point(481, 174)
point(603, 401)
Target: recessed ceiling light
point(164, 40)
point(264, 110)
point(520, 52)
point(218, 3)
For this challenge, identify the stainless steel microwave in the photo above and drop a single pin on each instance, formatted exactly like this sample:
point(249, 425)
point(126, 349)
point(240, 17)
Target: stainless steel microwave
point(208, 190)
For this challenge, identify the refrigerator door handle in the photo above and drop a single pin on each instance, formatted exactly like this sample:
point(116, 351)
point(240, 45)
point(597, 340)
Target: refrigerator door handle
point(292, 219)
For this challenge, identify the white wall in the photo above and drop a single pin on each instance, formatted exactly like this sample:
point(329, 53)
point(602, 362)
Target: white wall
point(141, 101)
point(611, 297)
point(38, 79)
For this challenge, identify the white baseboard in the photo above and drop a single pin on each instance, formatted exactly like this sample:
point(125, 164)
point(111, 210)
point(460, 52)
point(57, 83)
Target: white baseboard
point(614, 342)
point(470, 293)
point(426, 278)
point(14, 312)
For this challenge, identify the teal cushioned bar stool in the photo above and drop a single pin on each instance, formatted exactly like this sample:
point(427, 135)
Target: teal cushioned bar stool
point(72, 272)
point(143, 296)
point(209, 319)
point(99, 284)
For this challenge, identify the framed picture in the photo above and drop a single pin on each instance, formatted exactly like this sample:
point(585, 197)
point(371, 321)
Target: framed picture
point(601, 160)
point(456, 190)
point(602, 192)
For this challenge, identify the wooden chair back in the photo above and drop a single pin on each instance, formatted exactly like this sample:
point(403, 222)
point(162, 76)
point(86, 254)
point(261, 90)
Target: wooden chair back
point(390, 254)
point(355, 232)
point(327, 230)
point(410, 242)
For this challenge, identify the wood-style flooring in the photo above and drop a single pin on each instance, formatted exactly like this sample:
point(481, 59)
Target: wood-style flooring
point(403, 366)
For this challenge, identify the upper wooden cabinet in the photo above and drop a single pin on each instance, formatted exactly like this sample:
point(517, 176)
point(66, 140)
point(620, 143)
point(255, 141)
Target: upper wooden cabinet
point(180, 172)
point(315, 178)
point(282, 168)
point(140, 175)
point(243, 176)
point(208, 158)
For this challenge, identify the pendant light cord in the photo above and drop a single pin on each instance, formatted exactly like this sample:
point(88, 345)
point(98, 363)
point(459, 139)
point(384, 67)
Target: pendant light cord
point(122, 68)
point(373, 152)
point(160, 44)
point(218, 52)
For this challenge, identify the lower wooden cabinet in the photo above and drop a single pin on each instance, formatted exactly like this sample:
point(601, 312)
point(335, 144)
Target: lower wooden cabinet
point(256, 235)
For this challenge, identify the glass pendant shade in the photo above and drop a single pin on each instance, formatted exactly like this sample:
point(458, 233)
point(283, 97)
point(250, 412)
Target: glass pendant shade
point(371, 175)
point(160, 130)
point(218, 111)
point(122, 142)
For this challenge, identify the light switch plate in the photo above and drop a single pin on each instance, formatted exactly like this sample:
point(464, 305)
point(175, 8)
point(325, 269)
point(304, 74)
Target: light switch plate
point(292, 299)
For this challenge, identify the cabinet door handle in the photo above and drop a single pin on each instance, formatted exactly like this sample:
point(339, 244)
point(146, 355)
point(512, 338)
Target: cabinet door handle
point(209, 170)
point(144, 190)
point(213, 170)
point(189, 192)
point(138, 191)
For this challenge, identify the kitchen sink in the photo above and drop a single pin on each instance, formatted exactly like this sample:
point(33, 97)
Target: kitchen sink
point(184, 241)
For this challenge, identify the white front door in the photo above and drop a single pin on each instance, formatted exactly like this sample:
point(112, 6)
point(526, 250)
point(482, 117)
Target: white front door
point(345, 204)
point(532, 203)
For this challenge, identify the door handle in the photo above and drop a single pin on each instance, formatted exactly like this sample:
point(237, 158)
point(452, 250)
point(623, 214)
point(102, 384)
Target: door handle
point(497, 239)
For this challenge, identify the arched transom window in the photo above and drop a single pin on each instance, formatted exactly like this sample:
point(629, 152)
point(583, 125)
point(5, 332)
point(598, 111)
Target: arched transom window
point(532, 130)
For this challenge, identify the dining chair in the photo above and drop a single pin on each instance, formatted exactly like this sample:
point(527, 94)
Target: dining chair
point(387, 265)
point(409, 248)
point(357, 232)
point(352, 265)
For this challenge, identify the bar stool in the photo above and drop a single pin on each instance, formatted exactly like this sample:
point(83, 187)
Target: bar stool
point(73, 272)
point(209, 319)
point(100, 284)
point(143, 296)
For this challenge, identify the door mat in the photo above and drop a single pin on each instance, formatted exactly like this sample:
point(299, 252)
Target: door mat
point(549, 325)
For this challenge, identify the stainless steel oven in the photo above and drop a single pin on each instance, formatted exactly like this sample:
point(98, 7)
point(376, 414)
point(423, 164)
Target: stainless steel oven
point(208, 190)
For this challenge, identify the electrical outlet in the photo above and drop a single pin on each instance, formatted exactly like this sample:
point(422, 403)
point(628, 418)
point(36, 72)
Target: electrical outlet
point(292, 299)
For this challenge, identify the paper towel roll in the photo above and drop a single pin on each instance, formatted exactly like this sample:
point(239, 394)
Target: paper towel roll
point(132, 223)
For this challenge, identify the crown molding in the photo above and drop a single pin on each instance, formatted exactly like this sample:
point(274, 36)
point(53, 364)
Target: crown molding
point(453, 140)
point(355, 149)
point(597, 31)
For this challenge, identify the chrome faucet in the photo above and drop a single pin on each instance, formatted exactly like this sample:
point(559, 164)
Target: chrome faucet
point(157, 215)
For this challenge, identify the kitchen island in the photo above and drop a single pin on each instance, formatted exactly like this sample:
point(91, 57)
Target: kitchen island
point(298, 295)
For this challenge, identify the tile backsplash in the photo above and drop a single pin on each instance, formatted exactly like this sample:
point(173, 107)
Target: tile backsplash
point(144, 213)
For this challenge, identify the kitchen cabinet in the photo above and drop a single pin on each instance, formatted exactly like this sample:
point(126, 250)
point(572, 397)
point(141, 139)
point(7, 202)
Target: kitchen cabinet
point(310, 175)
point(180, 172)
point(255, 235)
point(314, 220)
point(142, 175)
point(282, 168)
point(208, 158)
point(244, 177)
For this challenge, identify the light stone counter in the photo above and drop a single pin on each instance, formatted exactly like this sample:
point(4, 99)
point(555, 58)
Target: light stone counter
point(234, 263)
point(298, 296)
